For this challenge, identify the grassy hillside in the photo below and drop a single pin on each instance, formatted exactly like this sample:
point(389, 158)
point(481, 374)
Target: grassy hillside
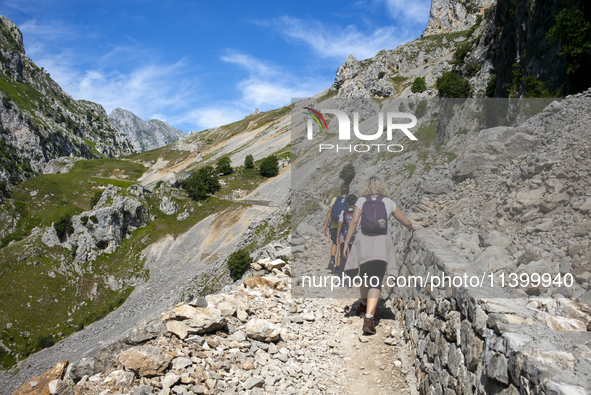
point(44, 293)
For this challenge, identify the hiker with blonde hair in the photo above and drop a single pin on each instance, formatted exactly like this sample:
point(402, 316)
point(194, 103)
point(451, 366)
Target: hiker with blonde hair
point(373, 250)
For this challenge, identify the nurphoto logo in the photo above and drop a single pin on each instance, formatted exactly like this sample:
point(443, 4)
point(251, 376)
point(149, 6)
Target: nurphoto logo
point(392, 124)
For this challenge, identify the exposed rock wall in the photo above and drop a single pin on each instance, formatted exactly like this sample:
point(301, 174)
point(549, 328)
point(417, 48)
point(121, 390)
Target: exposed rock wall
point(480, 340)
point(448, 16)
point(390, 72)
point(102, 229)
point(514, 45)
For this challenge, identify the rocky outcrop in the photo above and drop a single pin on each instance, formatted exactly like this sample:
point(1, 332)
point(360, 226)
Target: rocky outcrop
point(169, 206)
point(144, 136)
point(102, 229)
point(515, 56)
point(60, 165)
point(391, 72)
point(40, 122)
point(454, 15)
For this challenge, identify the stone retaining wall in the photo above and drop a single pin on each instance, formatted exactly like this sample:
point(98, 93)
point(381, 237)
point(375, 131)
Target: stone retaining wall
point(481, 340)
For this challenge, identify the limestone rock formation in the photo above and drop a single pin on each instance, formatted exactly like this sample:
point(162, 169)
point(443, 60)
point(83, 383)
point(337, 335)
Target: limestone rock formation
point(390, 72)
point(102, 229)
point(60, 165)
point(452, 15)
point(144, 135)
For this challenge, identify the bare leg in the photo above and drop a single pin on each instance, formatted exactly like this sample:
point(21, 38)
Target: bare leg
point(373, 297)
point(363, 291)
point(333, 249)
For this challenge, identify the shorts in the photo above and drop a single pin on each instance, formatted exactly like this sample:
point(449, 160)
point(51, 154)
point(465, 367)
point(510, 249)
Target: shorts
point(373, 269)
point(333, 235)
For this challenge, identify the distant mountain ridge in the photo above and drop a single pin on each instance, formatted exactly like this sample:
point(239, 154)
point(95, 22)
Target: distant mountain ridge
point(144, 135)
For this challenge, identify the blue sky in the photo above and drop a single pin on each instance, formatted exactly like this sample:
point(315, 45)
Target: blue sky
point(197, 64)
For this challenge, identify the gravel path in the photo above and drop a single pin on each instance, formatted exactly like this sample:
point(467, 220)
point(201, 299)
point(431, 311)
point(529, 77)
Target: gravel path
point(321, 350)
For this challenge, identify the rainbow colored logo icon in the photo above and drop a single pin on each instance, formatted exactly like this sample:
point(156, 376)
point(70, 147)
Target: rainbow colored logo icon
point(317, 117)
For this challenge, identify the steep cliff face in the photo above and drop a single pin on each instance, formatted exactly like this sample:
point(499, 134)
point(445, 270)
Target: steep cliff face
point(448, 16)
point(516, 46)
point(144, 136)
point(39, 121)
point(501, 47)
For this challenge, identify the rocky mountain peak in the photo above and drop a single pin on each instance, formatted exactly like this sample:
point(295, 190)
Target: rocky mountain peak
point(144, 135)
point(448, 16)
point(11, 36)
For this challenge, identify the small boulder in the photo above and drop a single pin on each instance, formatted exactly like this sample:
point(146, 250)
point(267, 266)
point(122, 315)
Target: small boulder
point(263, 330)
point(494, 258)
point(146, 361)
point(200, 320)
point(275, 264)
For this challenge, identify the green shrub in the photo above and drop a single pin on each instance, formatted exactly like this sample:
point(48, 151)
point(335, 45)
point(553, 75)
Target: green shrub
point(269, 166)
point(96, 196)
point(202, 182)
point(347, 173)
point(460, 53)
point(419, 85)
point(472, 69)
point(249, 161)
point(224, 166)
point(381, 74)
point(63, 226)
point(6, 102)
point(573, 31)
point(453, 85)
point(44, 341)
point(5, 190)
point(238, 262)
point(94, 219)
point(536, 88)
point(84, 220)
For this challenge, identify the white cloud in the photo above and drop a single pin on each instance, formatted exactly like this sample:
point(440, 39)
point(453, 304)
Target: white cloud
point(339, 43)
point(144, 90)
point(271, 86)
point(125, 76)
point(266, 86)
point(210, 117)
point(416, 11)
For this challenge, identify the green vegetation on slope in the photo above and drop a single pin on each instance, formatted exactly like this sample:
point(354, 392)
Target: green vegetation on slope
point(70, 193)
point(573, 32)
point(47, 297)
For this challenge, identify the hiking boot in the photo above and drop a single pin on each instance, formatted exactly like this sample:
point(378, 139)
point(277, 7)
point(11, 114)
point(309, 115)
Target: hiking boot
point(361, 309)
point(331, 264)
point(368, 326)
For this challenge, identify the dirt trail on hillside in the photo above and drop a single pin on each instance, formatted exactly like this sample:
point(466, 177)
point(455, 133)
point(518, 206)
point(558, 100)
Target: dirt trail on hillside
point(259, 142)
point(370, 364)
